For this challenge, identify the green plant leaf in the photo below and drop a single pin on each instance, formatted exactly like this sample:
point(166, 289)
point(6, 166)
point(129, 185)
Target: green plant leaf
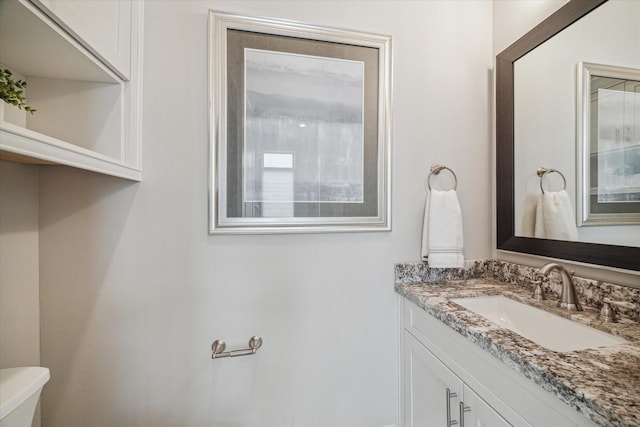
point(12, 91)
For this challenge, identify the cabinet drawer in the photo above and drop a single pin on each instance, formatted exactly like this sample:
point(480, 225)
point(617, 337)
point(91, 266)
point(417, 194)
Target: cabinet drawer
point(418, 322)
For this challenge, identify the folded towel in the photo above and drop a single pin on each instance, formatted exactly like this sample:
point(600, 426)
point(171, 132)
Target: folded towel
point(442, 230)
point(554, 217)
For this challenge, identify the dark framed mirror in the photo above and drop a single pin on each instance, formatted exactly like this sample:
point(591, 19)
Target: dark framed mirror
point(625, 257)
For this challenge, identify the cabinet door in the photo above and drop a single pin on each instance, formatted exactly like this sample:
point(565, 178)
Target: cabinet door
point(478, 413)
point(426, 381)
point(103, 27)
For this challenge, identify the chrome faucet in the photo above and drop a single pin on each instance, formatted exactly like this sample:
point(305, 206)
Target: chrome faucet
point(568, 297)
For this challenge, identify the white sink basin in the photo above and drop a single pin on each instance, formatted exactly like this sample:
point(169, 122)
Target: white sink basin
point(546, 329)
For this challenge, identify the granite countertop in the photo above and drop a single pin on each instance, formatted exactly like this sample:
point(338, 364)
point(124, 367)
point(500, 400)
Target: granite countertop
point(602, 383)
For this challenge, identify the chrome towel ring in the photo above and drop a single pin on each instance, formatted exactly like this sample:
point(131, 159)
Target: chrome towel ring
point(544, 171)
point(436, 169)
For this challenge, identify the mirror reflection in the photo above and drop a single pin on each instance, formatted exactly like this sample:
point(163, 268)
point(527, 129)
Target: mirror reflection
point(597, 174)
point(608, 145)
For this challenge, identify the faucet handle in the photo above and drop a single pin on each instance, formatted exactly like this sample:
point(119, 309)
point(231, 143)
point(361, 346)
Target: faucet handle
point(608, 314)
point(538, 292)
point(623, 304)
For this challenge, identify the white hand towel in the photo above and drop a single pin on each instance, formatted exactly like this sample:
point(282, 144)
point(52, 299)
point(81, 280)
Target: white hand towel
point(424, 251)
point(529, 215)
point(559, 222)
point(442, 240)
point(554, 217)
point(539, 230)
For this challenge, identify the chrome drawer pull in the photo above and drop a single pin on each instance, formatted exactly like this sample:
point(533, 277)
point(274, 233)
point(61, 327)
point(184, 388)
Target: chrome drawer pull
point(463, 409)
point(449, 396)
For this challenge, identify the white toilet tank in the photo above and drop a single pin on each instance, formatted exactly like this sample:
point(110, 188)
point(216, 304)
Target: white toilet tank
point(19, 392)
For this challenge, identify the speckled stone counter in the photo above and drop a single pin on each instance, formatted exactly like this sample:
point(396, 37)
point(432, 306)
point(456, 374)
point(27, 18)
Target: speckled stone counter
point(603, 383)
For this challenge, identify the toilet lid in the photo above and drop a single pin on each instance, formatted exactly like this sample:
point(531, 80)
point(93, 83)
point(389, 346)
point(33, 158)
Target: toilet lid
point(18, 384)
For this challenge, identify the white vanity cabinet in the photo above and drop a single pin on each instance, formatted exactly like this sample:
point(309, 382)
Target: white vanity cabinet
point(101, 26)
point(82, 64)
point(435, 358)
point(435, 396)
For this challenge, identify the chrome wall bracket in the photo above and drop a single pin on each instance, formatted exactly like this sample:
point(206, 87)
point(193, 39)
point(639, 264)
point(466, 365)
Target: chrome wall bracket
point(218, 347)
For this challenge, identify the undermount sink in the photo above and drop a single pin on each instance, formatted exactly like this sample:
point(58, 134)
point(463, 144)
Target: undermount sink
point(546, 329)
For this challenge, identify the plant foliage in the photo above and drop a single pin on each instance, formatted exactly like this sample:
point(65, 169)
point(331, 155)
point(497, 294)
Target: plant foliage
point(12, 91)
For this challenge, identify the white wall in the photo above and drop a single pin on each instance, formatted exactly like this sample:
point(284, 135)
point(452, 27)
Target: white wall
point(19, 269)
point(513, 19)
point(134, 291)
point(19, 301)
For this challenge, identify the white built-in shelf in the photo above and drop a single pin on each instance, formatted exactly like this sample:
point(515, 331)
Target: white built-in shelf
point(103, 27)
point(87, 114)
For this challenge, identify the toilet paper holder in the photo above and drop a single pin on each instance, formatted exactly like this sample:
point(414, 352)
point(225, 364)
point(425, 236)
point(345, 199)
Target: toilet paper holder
point(218, 347)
